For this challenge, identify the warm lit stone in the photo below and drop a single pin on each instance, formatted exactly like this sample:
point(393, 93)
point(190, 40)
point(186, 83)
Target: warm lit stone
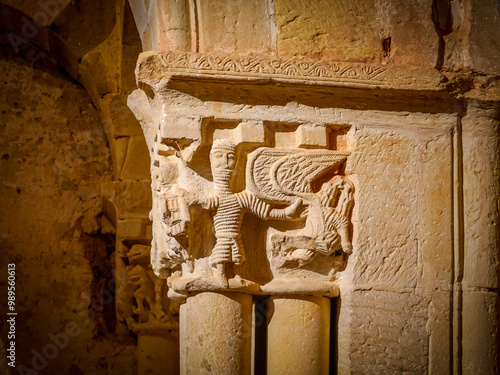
point(298, 334)
point(228, 351)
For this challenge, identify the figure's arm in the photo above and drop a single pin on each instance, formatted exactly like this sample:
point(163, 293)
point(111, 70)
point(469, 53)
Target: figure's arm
point(209, 203)
point(263, 210)
point(286, 213)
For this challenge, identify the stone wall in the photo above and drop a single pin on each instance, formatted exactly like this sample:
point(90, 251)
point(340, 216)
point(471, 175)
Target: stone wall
point(420, 291)
point(54, 161)
point(424, 146)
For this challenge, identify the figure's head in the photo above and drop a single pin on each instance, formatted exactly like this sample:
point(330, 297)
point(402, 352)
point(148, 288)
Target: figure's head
point(223, 154)
point(222, 159)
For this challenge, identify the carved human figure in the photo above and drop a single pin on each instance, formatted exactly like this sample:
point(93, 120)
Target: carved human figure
point(229, 209)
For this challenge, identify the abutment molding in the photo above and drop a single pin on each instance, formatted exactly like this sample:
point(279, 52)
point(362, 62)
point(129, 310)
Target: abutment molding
point(155, 68)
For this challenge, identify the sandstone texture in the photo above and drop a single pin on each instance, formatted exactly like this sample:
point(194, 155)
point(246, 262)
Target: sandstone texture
point(110, 187)
point(228, 352)
point(54, 160)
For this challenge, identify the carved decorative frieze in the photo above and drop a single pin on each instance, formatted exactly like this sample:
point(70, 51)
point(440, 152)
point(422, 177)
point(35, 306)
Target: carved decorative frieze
point(154, 67)
point(199, 63)
point(147, 309)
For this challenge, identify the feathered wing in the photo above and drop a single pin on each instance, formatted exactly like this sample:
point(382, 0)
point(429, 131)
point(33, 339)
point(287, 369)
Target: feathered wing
point(280, 175)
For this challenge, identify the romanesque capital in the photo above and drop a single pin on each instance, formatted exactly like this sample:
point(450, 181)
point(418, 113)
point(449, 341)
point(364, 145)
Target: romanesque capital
point(242, 202)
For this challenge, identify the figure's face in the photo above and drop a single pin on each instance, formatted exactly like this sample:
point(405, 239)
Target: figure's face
point(223, 159)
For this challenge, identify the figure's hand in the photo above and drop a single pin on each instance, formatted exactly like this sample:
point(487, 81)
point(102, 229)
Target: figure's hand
point(188, 197)
point(292, 209)
point(304, 210)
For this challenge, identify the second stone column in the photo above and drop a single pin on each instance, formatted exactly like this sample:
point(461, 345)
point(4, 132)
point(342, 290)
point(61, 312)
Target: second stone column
point(298, 335)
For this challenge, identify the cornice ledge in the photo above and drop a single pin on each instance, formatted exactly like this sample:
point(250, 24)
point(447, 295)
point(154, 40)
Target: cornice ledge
point(157, 68)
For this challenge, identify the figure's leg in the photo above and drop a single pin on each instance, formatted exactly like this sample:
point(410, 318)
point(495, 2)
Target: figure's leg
point(346, 243)
point(220, 255)
point(238, 252)
point(220, 275)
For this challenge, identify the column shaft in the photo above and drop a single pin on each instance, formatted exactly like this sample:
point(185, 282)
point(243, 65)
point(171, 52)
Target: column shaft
point(298, 335)
point(216, 333)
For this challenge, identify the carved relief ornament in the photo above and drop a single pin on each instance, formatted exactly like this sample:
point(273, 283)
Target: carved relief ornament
point(233, 209)
point(300, 204)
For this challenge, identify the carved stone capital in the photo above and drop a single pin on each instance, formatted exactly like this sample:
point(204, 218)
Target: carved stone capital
point(248, 198)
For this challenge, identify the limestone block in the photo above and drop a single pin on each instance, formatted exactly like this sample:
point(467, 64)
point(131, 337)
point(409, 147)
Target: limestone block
point(480, 327)
point(386, 162)
point(311, 135)
point(136, 162)
point(216, 334)
point(387, 333)
point(481, 155)
point(132, 229)
point(413, 38)
point(146, 18)
point(285, 139)
point(438, 327)
point(298, 335)
point(435, 210)
point(118, 148)
point(174, 25)
point(181, 128)
point(132, 199)
point(484, 38)
point(118, 119)
point(235, 26)
point(250, 131)
point(139, 104)
point(246, 131)
point(326, 28)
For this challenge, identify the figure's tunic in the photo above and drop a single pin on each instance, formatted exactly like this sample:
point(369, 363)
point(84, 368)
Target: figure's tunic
point(230, 209)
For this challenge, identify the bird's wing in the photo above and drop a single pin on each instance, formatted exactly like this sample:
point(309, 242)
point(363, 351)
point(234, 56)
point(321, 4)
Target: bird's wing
point(280, 175)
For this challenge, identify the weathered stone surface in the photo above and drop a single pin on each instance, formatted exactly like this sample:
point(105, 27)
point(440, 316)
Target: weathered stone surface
point(484, 38)
point(413, 39)
point(440, 335)
point(480, 332)
point(328, 29)
point(235, 26)
point(53, 161)
point(131, 199)
point(228, 351)
point(481, 155)
point(298, 333)
point(388, 333)
point(388, 239)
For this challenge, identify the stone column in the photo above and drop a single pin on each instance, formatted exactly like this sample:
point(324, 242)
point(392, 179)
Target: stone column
point(216, 332)
point(298, 335)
